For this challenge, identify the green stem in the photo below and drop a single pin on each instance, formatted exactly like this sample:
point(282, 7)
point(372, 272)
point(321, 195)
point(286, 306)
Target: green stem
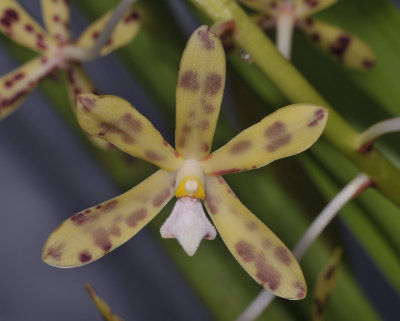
point(298, 90)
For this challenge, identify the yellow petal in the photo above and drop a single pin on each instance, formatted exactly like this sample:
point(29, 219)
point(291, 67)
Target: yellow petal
point(118, 122)
point(287, 131)
point(20, 27)
point(92, 233)
point(325, 285)
point(339, 44)
point(102, 306)
point(265, 6)
point(77, 82)
point(199, 91)
point(305, 8)
point(56, 18)
point(16, 85)
point(123, 33)
point(258, 250)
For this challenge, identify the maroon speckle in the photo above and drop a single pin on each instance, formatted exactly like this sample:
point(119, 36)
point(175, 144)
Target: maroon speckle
point(182, 142)
point(309, 22)
point(132, 123)
point(186, 129)
point(56, 18)
point(278, 135)
point(85, 256)
point(7, 102)
point(189, 80)
point(115, 230)
point(165, 143)
point(340, 46)
point(302, 291)
point(95, 34)
point(203, 125)
point(212, 84)
point(205, 38)
point(110, 205)
point(82, 218)
point(160, 198)
point(252, 226)
point(240, 147)
point(212, 203)
point(275, 130)
point(311, 3)
point(266, 273)
point(8, 84)
point(318, 116)
point(9, 17)
point(88, 103)
point(153, 156)
point(101, 239)
point(54, 252)
point(28, 28)
point(205, 147)
point(245, 250)
point(266, 243)
point(192, 114)
point(315, 36)
point(133, 16)
point(283, 255)
point(208, 108)
point(368, 63)
point(133, 219)
point(227, 171)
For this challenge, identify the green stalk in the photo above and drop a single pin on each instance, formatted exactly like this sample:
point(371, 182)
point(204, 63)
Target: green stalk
point(298, 90)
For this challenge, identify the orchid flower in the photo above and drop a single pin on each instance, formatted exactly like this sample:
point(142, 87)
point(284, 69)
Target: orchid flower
point(56, 48)
point(190, 173)
point(287, 14)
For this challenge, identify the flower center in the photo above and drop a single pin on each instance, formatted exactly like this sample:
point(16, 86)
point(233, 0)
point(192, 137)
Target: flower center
point(190, 180)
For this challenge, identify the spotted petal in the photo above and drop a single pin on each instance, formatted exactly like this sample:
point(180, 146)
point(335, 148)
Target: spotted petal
point(325, 285)
point(102, 306)
point(287, 131)
point(77, 82)
point(305, 8)
point(118, 122)
point(341, 45)
point(123, 33)
point(265, 6)
point(56, 18)
point(16, 85)
point(92, 233)
point(199, 93)
point(258, 250)
point(20, 27)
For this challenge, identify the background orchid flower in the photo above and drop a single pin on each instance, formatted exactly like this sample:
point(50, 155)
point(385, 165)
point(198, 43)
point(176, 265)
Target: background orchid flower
point(191, 174)
point(54, 46)
point(287, 14)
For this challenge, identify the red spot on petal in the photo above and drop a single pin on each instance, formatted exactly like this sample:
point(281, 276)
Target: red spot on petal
point(133, 16)
point(212, 84)
point(161, 198)
point(133, 219)
point(110, 205)
point(189, 80)
point(88, 103)
point(282, 254)
point(101, 239)
point(54, 252)
point(318, 116)
point(226, 171)
point(85, 256)
point(205, 37)
point(266, 273)
point(240, 147)
point(132, 123)
point(153, 156)
point(245, 250)
point(252, 226)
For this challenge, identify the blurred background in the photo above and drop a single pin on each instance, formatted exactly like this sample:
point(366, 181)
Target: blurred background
point(48, 171)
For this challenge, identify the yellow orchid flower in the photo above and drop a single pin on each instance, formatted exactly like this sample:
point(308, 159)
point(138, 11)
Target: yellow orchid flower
point(286, 14)
point(53, 47)
point(190, 173)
